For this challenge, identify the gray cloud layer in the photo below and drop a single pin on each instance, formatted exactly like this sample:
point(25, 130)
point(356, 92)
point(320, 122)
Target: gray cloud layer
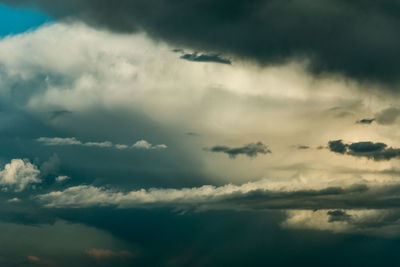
point(356, 38)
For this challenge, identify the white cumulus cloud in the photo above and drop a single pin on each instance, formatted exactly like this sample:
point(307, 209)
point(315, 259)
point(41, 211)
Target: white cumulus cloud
point(18, 174)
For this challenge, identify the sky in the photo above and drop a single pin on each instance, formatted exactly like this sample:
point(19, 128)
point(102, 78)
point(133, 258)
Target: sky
point(16, 21)
point(199, 133)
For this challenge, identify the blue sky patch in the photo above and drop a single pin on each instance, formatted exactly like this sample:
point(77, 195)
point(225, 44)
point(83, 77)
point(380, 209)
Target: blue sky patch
point(14, 20)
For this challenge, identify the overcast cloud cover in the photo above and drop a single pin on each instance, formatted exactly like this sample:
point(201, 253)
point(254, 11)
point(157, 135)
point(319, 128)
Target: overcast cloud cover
point(201, 133)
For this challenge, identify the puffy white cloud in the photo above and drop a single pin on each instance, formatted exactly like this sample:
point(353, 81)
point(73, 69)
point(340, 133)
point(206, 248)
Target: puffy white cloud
point(18, 174)
point(62, 178)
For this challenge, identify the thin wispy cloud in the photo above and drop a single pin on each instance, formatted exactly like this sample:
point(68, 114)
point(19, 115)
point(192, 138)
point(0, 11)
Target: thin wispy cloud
point(71, 141)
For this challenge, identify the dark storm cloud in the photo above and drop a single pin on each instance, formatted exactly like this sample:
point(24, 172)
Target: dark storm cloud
point(356, 38)
point(365, 121)
point(388, 116)
point(371, 150)
point(205, 58)
point(251, 150)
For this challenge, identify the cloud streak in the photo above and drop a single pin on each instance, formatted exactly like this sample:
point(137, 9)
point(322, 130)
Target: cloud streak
point(70, 141)
point(252, 195)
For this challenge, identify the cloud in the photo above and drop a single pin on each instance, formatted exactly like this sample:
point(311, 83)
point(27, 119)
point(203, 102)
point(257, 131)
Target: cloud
point(371, 150)
point(205, 58)
point(365, 121)
point(338, 215)
point(19, 174)
point(250, 150)
point(388, 116)
point(14, 200)
point(267, 31)
point(252, 195)
point(104, 254)
point(143, 144)
point(50, 166)
point(62, 178)
point(40, 261)
point(382, 222)
point(337, 146)
point(58, 141)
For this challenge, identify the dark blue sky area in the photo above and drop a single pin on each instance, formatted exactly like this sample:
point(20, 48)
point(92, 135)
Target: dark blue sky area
point(14, 21)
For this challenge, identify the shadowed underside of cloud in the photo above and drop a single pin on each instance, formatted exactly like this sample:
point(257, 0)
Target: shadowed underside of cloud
point(59, 141)
point(251, 150)
point(371, 150)
point(205, 58)
point(334, 35)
